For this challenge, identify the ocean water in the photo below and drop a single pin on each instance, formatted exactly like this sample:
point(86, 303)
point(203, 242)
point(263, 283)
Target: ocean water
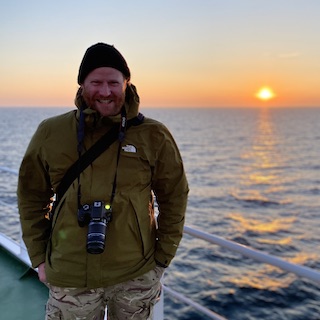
point(254, 176)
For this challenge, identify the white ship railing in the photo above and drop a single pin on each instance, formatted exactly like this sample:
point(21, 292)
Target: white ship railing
point(260, 256)
point(299, 270)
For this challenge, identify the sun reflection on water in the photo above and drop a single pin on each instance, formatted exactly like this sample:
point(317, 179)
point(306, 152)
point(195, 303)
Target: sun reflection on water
point(261, 279)
point(261, 178)
point(267, 276)
point(256, 225)
point(261, 191)
point(281, 242)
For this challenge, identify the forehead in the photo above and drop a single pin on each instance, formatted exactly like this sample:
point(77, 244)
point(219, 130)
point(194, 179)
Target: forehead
point(105, 73)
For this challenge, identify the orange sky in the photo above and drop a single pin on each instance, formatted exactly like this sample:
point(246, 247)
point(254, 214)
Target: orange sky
point(213, 54)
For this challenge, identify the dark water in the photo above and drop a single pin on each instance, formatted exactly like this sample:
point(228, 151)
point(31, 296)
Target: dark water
point(254, 178)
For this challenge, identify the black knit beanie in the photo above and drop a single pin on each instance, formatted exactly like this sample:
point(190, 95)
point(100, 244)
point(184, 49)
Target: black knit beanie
point(102, 55)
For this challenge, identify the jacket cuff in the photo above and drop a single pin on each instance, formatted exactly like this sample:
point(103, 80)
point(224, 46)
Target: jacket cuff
point(37, 260)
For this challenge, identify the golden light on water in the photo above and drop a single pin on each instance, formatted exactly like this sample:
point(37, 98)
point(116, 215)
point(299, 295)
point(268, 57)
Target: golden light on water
point(281, 242)
point(259, 279)
point(261, 185)
point(265, 277)
point(256, 225)
point(261, 181)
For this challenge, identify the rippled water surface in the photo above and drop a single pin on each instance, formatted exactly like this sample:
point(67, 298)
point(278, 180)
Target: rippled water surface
point(254, 178)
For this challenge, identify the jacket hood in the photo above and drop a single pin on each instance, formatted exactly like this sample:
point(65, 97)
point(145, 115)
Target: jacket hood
point(131, 104)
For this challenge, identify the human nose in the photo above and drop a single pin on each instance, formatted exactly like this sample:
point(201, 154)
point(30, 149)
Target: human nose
point(105, 89)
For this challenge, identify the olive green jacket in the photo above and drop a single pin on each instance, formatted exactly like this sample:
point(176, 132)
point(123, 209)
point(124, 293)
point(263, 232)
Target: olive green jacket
point(149, 161)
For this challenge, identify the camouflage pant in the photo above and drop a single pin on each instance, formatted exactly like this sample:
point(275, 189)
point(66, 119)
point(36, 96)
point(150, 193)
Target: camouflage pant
point(133, 299)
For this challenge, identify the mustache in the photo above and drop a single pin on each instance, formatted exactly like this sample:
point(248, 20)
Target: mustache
point(102, 97)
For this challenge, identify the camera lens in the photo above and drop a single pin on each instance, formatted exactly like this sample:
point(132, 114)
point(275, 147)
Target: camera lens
point(96, 236)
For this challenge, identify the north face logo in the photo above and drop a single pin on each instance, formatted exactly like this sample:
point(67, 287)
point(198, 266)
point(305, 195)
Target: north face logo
point(129, 148)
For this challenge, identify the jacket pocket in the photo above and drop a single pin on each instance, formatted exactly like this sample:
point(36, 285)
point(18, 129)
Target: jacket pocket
point(134, 170)
point(145, 221)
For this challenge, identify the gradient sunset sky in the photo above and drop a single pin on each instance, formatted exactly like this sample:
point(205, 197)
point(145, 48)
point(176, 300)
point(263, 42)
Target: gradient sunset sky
point(191, 53)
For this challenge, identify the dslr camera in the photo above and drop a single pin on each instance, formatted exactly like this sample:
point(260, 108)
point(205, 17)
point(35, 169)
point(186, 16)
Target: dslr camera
point(96, 216)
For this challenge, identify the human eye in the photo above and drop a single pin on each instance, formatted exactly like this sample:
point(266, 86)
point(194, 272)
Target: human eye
point(96, 82)
point(114, 83)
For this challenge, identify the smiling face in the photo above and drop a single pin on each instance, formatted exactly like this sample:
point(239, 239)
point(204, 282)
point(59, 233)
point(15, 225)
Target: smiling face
point(103, 90)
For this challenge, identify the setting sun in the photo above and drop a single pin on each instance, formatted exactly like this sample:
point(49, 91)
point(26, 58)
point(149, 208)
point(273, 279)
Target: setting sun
point(265, 94)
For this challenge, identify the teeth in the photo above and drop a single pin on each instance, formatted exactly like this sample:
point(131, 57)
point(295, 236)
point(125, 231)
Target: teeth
point(104, 100)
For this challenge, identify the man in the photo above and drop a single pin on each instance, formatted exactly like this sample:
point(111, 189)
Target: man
point(102, 246)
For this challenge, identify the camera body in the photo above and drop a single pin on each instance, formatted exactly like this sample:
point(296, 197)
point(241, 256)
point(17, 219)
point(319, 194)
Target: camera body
point(96, 216)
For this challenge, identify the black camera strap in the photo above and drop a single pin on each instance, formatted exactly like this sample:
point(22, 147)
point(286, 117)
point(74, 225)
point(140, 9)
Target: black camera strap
point(94, 152)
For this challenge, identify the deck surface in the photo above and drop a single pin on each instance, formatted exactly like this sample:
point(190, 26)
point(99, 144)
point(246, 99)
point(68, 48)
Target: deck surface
point(22, 295)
